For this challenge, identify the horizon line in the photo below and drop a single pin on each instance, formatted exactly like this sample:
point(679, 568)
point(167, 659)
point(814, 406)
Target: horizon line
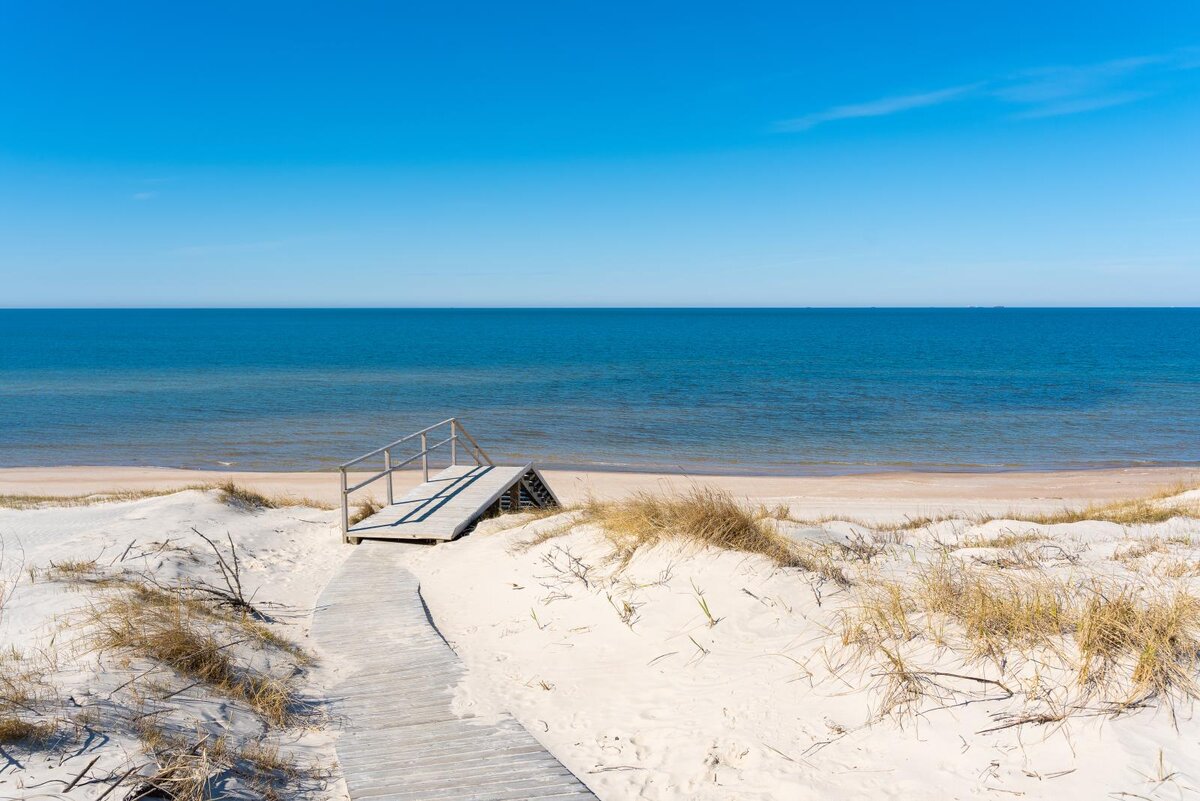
point(571, 307)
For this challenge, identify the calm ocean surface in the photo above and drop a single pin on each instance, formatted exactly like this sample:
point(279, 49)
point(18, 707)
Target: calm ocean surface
point(780, 391)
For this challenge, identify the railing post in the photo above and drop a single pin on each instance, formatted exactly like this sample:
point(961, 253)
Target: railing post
point(424, 457)
point(345, 508)
point(387, 465)
point(453, 443)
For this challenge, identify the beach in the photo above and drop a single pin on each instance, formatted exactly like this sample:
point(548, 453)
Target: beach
point(599, 402)
point(651, 662)
point(889, 496)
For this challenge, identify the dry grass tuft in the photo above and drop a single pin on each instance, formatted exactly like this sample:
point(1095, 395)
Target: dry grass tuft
point(230, 493)
point(185, 635)
point(1005, 539)
point(24, 699)
point(1156, 508)
point(243, 497)
point(704, 517)
point(34, 501)
point(15, 730)
point(1123, 643)
point(71, 570)
point(190, 768)
point(1138, 549)
point(1142, 511)
point(364, 509)
point(1178, 568)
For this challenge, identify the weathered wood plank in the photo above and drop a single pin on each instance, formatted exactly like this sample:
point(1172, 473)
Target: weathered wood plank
point(442, 507)
point(401, 740)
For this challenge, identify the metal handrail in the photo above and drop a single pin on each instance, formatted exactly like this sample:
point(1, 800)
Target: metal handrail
point(456, 429)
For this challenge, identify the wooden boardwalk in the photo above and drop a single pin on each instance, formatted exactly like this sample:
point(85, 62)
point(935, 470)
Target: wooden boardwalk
point(400, 740)
point(443, 507)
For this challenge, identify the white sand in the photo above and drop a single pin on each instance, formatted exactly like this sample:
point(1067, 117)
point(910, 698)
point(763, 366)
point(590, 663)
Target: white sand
point(769, 709)
point(287, 555)
point(877, 496)
point(760, 706)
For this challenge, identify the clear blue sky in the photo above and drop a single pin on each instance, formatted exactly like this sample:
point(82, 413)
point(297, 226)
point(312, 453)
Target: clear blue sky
point(571, 153)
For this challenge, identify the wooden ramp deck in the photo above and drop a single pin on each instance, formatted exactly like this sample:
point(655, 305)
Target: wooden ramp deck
point(445, 505)
point(401, 740)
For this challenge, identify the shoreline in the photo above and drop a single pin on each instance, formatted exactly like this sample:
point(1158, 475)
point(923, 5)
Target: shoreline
point(878, 495)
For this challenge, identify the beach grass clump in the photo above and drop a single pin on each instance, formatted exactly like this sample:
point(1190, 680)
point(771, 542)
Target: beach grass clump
point(35, 501)
point(72, 570)
point(1139, 511)
point(24, 699)
point(16, 730)
point(1004, 539)
point(1139, 549)
point(185, 635)
point(243, 497)
point(363, 509)
point(704, 517)
point(230, 493)
point(190, 767)
point(182, 770)
point(1121, 642)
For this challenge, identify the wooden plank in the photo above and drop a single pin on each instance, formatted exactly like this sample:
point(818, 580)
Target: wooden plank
point(400, 738)
point(441, 508)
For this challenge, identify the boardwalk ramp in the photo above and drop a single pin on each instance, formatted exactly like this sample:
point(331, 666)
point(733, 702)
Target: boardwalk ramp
point(447, 503)
point(401, 740)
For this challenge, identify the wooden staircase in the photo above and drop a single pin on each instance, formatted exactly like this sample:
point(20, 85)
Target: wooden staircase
point(449, 503)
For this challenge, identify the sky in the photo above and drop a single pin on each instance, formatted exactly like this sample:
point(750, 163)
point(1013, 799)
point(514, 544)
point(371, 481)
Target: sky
point(599, 154)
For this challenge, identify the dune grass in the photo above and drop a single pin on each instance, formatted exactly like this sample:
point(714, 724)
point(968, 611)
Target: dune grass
point(15, 730)
point(1140, 511)
point(34, 501)
point(182, 634)
point(192, 628)
point(364, 509)
point(243, 497)
point(1005, 539)
point(1121, 642)
point(703, 517)
point(1157, 507)
point(229, 492)
point(22, 701)
point(191, 634)
point(186, 767)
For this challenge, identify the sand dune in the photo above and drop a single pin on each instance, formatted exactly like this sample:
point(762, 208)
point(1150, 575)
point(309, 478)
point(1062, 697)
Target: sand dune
point(672, 671)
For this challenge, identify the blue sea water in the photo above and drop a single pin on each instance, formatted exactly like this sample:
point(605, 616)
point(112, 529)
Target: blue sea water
point(778, 391)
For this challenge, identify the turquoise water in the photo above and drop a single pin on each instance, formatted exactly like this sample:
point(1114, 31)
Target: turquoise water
point(780, 391)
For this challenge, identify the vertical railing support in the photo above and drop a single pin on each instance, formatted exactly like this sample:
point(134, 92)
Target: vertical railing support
point(345, 507)
point(457, 430)
point(425, 457)
point(387, 465)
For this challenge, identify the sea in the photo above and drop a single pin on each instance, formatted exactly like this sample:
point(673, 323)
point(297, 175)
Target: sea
point(759, 391)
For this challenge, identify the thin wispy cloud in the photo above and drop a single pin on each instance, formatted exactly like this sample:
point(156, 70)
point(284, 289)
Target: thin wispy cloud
point(1049, 84)
point(876, 108)
point(1036, 93)
point(144, 195)
point(1080, 105)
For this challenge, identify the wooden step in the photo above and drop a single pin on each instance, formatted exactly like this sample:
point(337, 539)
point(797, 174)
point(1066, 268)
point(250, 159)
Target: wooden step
point(447, 505)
